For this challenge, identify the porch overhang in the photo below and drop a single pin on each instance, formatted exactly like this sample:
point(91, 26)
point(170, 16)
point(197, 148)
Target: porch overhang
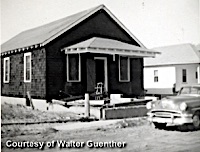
point(109, 46)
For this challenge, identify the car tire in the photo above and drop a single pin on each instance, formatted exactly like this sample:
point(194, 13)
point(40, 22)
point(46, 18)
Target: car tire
point(196, 120)
point(159, 125)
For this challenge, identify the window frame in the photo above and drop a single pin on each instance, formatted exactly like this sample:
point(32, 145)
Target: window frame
point(4, 70)
point(128, 69)
point(184, 76)
point(156, 76)
point(196, 74)
point(25, 67)
point(79, 69)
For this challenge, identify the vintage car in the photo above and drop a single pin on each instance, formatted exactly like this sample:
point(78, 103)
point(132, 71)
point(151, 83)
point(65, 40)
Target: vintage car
point(184, 108)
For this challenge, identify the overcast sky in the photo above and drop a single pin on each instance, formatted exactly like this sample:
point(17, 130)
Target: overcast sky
point(154, 22)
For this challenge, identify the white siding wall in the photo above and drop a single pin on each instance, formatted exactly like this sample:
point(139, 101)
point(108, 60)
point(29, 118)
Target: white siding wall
point(166, 77)
point(191, 70)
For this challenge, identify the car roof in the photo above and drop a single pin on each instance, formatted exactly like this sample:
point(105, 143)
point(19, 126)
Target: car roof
point(195, 85)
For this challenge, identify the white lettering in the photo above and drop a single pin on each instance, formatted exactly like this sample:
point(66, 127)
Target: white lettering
point(107, 144)
point(25, 144)
point(8, 143)
point(70, 144)
point(41, 145)
point(61, 144)
point(90, 144)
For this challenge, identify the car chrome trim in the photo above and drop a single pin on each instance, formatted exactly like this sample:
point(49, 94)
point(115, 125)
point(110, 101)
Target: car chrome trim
point(174, 121)
point(165, 110)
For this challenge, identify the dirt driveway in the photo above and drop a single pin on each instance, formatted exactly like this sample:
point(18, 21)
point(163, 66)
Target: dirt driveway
point(131, 136)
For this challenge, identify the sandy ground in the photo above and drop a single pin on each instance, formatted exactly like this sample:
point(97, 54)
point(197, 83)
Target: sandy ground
point(136, 133)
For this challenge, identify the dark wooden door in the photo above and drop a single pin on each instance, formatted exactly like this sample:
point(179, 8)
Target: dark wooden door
point(100, 71)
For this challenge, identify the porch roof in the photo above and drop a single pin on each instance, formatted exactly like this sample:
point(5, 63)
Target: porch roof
point(108, 46)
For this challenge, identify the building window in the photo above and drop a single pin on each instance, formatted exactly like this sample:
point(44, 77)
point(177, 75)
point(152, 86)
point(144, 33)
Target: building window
point(73, 68)
point(155, 75)
point(6, 76)
point(184, 75)
point(196, 75)
point(27, 67)
point(124, 69)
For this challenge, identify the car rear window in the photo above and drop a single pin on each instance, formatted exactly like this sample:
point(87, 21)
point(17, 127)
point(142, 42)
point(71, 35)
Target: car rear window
point(190, 90)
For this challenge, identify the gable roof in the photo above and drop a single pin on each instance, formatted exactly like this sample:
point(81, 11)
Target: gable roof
point(175, 54)
point(109, 46)
point(42, 35)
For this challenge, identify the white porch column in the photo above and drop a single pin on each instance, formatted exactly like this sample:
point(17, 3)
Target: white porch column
point(87, 105)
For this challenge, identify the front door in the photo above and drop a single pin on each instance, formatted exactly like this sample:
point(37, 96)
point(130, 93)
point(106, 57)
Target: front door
point(101, 71)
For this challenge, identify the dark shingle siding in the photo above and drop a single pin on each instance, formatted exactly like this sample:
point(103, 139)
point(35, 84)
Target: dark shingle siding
point(16, 86)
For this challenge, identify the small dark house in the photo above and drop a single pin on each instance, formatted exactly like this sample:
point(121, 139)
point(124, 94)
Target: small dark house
point(73, 54)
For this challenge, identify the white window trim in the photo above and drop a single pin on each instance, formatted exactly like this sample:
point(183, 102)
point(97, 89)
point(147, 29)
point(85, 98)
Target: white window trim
point(4, 71)
point(79, 76)
point(128, 70)
point(25, 55)
point(155, 76)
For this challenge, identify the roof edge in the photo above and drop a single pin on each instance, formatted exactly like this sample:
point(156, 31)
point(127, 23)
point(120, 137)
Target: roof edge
point(123, 26)
point(79, 20)
point(162, 65)
point(73, 24)
point(35, 46)
point(88, 15)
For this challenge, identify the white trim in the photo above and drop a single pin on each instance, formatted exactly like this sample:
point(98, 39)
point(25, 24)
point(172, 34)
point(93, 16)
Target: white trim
point(111, 52)
point(4, 70)
point(128, 69)
point(79, 76)
point(113, 57)
point(88, 15)
point(106, 70)
point(25, 55)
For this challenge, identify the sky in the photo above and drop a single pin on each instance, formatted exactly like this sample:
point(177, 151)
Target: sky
point(154, 22)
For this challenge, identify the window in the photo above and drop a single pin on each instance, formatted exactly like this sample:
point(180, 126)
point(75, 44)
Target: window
point(155, 75)
point(73, 68)
point(196, 75)
point(190, 90)
point(184, 75)
point(124, 69)
point(27, 67)
point(6, 74)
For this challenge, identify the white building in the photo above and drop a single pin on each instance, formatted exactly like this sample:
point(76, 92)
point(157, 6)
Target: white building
point(177, 64)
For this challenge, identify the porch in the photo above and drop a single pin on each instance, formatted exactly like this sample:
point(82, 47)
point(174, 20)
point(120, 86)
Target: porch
point(117, 65)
